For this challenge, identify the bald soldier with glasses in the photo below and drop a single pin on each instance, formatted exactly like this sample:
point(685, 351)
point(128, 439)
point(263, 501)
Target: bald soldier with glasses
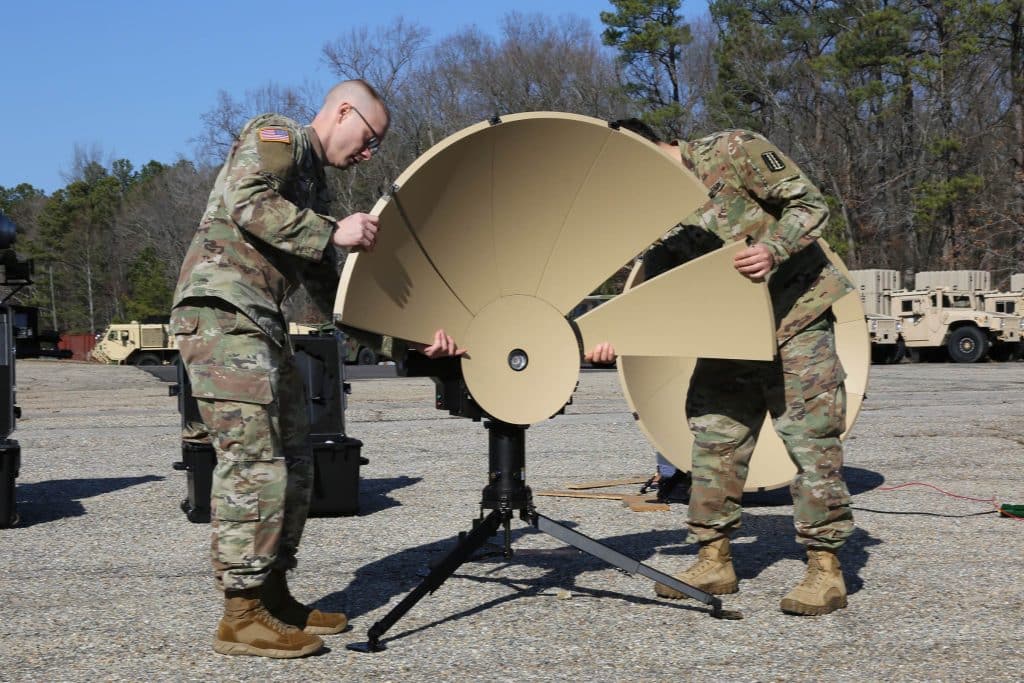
point(265, 232)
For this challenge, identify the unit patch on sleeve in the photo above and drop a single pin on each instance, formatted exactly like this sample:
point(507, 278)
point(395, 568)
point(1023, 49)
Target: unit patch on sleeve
point(274, 135)
point(773, 161)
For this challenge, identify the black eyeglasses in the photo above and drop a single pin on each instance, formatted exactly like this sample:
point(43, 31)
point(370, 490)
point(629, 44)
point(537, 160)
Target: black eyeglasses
point(373, 144)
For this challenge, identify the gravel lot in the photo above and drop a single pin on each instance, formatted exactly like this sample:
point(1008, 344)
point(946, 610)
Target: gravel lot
point(106, 580)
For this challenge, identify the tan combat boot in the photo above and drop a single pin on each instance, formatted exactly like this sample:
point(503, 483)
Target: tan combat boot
point(711, 573)
point(281, 604)
point(822, 590)
point(247, 628)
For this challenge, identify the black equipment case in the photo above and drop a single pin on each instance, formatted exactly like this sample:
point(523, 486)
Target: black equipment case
point(10, 451)
point(336, 457)
point(336, 464)
point(10, 463)
point(197, 461)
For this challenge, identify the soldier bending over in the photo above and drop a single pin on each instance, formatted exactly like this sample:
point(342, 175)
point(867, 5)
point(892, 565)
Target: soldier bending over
point(757, 193)
point(264, 233)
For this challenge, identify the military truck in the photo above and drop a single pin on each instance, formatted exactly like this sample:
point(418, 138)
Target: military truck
point(875, 285)
point(887, 345)
point(941, 321)
point(1009, 303)
point(135, 343)
point(977, 284)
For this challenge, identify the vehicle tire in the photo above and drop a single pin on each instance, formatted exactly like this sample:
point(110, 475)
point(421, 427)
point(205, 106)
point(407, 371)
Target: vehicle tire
point(967, 345)
point(366, 357)
point(148, 359)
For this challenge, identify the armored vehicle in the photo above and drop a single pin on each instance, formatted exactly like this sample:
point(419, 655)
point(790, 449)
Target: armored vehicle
point(942, 321)
point(135, 343)
point(1007, 303)
point(875, 286)
point(1011, 303)
point(887, 345)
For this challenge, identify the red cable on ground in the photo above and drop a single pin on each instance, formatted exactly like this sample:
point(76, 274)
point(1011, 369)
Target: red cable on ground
point(992, 500)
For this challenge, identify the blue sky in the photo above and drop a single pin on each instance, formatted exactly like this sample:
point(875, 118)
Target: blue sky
point(131, 79)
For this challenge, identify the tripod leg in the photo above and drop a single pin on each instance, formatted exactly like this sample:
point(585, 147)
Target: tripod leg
point(626, 563)
point(466, 546)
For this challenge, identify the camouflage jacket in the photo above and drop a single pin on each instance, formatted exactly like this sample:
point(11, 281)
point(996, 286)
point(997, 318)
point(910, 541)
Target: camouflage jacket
point(757, 192)
point(265, 231)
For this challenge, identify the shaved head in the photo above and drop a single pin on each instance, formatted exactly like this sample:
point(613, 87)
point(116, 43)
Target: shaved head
point(357, 92)
point(351, 123)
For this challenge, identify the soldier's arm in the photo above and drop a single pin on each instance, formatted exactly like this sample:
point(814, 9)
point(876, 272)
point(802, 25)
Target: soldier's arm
point(321, 281)
point(777, 182)
point(264, 163)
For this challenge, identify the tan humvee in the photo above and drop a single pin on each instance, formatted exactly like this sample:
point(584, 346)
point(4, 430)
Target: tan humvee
point(874, 286)
point(943, 321)
point(887, 345)
point(1005, 303)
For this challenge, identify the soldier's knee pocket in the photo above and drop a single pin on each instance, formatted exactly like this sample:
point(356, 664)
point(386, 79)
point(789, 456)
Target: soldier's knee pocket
point(238, 507)
point(243, 512)
point(226, 383)
point(827, 412)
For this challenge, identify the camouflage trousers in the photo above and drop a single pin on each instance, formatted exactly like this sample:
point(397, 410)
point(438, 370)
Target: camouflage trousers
point(252, 402)
point(802, 390)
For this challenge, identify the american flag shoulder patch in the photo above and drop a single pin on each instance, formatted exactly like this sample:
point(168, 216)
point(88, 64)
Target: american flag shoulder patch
point(274, 135)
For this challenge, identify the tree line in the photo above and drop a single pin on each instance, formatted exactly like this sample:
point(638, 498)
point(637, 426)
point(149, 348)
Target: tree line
point(909, 114)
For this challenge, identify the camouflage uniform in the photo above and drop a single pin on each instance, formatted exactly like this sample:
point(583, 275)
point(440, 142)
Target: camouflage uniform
point(759, 194)
point(264, 233)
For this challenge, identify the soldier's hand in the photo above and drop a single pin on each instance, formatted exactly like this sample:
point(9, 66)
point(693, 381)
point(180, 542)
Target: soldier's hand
point(602, 353)
point(357, 232)
point(443, 345)
point(755, 262)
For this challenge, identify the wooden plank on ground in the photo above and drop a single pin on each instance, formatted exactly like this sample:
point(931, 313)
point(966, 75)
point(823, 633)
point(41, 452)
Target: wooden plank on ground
point(648, 507)
point(644, 498)
point(582, 494)
point(608, 482)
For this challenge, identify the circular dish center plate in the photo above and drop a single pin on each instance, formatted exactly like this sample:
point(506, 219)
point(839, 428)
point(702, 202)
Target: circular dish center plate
point(521, 323)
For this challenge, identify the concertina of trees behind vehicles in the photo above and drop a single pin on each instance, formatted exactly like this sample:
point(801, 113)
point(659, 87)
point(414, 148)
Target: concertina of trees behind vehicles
point(908, 114)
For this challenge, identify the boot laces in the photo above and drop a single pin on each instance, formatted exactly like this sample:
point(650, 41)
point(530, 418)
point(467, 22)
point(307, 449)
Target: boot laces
point(815, 573)
point(263, 615)
point(705, 562)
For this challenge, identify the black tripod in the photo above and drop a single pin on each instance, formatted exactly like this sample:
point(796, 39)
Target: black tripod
point(506, 494)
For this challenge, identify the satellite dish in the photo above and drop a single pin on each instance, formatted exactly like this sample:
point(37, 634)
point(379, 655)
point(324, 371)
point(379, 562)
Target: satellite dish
point(655, 389)
point(495, 233)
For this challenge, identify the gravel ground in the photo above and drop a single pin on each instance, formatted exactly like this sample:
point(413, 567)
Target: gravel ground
point(106, 580)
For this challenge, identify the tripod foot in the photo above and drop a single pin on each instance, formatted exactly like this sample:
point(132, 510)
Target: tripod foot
point(728, 614)
point(368, 646)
